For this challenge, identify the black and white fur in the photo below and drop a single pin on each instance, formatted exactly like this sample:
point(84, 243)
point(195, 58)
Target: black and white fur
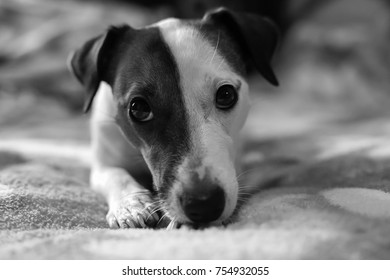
point(189, 147)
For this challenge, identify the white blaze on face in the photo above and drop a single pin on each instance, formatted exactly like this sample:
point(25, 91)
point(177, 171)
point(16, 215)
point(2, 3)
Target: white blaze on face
point(213, 132)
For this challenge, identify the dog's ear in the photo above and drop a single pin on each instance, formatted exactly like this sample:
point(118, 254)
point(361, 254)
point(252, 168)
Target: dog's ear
point(90, 62)
point(257, 35)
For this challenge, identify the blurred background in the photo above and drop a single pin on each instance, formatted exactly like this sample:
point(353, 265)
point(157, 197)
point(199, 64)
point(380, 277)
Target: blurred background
point(333, 60)
point(325, 128)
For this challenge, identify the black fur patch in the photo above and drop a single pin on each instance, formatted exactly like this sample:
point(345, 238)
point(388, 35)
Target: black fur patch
point(231, 51)
point(143, 65)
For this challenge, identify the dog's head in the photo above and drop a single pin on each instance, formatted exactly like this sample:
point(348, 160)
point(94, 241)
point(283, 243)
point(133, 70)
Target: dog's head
point(181, 98)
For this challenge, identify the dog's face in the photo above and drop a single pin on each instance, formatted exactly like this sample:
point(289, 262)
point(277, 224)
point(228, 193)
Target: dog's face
point(182, 98)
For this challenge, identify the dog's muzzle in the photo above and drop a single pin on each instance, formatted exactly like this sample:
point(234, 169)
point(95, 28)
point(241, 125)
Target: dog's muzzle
point(204, 192)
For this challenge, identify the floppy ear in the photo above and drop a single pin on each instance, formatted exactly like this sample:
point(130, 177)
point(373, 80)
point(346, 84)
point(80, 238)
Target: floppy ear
point(257, 35)
point(90, 62)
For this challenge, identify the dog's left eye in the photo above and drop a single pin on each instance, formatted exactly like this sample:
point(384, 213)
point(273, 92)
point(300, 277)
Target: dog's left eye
point(140, 110)
point(226, 97)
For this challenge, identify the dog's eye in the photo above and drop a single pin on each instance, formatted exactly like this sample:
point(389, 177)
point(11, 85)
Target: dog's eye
point(140, 110)
point(226, 97)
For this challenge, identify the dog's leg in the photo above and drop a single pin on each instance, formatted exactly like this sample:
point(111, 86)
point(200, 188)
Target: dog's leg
point(130, 203)
point(115, 163)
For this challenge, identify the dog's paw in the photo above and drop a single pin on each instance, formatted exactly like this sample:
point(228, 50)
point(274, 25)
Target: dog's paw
point(136, 210)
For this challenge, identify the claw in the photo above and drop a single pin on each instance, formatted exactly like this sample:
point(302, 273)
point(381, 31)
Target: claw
point(123, 224)
point(141, 221)
point(155, 216)
point(112, 222)
point(130, 223)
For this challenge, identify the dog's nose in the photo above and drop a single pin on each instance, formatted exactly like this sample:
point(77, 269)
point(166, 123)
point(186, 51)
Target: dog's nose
point(203, 207)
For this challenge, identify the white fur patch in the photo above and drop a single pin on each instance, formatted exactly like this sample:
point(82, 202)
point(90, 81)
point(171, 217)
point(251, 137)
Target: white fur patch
point(213, 133)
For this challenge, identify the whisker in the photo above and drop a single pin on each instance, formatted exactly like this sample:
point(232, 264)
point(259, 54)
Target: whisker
point(153, 212)
point(242, 201)
point(245, 172)
point(156, 210)
point(151, 205)
point(220, 64)
point(244, 198)
point(155, 203)
point(139, 192)
point(215, 49)
point(246, 188)
point(157, 206)
point(244, 194)
point(171, 224)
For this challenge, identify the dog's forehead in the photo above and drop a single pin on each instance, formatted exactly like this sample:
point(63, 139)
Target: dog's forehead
point(204, 42)
point(194, 48)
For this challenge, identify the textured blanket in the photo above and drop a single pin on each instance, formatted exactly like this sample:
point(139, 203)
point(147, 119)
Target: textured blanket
point(320, 188)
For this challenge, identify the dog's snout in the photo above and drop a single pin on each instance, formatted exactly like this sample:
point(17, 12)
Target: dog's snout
point(203, 207)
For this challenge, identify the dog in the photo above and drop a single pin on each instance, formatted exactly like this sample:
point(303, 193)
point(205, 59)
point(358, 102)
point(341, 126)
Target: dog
point(170, 99)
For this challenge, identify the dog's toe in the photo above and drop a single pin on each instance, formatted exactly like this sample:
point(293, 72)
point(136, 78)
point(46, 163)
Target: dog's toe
point(112, 221)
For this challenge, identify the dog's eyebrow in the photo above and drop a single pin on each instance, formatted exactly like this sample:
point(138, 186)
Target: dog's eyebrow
point(140, 88)
point(220, 81)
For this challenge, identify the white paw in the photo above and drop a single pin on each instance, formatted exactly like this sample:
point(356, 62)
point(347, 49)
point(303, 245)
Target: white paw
point(136, 210)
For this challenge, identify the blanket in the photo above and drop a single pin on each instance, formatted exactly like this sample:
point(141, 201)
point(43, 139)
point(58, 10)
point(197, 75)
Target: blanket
point(319, 189)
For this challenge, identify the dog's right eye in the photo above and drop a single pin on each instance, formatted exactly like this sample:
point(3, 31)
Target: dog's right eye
point(140, 110)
